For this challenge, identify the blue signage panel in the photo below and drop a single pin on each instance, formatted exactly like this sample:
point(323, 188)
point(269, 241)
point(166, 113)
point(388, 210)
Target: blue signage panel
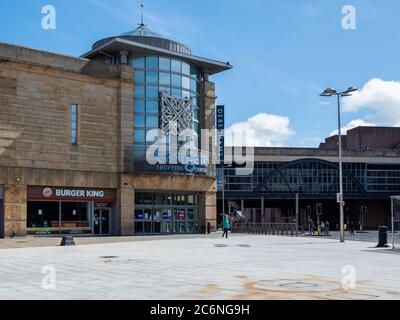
point(220, 114)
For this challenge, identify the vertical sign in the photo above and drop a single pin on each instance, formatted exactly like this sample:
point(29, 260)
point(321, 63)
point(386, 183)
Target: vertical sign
point(221, 133)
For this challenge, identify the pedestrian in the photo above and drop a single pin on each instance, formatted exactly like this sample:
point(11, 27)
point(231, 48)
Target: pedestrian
point(312, 226)
point(327, 227)
point(226, 224)
point(352, 228)
point(323, 230)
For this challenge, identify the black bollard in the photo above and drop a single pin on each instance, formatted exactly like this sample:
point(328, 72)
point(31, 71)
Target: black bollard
point(67, 241)
point(383, 237)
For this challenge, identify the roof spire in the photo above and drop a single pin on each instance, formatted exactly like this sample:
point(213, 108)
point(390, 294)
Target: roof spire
point(142, 17)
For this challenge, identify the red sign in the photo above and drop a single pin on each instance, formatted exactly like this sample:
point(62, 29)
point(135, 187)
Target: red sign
point(182, 215)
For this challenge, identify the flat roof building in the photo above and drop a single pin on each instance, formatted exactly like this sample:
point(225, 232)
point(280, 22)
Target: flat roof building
point(74, 132)
point(371, 175)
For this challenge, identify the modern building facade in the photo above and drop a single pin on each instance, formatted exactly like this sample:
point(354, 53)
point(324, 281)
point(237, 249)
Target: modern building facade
point(371, 176)
point(74, 135)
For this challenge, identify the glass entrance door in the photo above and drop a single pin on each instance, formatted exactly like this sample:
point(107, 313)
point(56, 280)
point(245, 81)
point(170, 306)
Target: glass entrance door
point(102, 218)
point(152, 221)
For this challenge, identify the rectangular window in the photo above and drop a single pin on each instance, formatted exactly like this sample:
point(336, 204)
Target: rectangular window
point(185, 83)
point(152, 77)
point(176, 80)
point(165, 78)
point(176, 66)
point(151, 92)
point(139, 92)
point(139, 77)
point(185, 68)
point(74, 124)
point(152, 106)
point(138, 63)
point(139, 121)
point(152, 63)
point(165, 64)
point(139, 106)
point(151, 122)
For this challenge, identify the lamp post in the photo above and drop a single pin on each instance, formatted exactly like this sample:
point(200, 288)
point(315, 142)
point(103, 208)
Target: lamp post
point(329, 93)
point(223, 189)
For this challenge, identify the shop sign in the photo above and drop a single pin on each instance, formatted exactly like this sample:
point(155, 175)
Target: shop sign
point(56, 193)
point(220, 114)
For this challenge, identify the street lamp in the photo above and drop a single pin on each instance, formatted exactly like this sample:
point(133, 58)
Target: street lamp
point(223, 189)
point(329, 92)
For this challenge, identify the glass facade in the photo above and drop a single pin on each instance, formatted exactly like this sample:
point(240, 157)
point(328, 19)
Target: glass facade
point(68, 217)
point(153, 75)
point(314, 177)
point(166, 213)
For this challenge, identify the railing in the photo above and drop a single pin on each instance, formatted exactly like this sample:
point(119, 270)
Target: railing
point(276, 229)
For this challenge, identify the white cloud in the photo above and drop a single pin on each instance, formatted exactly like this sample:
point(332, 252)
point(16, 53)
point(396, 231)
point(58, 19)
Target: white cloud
point(353, 124)
point(262, 130)
point(382, 97)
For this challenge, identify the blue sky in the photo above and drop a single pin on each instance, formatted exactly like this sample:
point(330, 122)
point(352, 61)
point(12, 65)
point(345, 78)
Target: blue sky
point(284, 52)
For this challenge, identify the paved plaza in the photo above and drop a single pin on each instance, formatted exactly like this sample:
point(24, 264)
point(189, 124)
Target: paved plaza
point(202, 267)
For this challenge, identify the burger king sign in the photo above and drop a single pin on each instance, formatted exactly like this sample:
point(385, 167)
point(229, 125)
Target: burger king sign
point(47, 192)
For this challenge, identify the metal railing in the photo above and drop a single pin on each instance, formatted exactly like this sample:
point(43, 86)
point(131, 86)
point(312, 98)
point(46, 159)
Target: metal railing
point(277, 229)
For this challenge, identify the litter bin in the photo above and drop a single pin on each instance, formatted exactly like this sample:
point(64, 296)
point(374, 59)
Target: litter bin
point(383, 237)
point(67, 241)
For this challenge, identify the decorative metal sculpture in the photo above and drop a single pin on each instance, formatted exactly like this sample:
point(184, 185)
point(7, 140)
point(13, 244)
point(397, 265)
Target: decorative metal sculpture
point(176, 114)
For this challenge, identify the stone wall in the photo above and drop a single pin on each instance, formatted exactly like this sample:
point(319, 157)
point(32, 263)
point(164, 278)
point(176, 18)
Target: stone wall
point(37, 89)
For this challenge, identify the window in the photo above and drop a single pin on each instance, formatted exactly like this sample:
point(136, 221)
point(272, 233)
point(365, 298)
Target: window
point(138, 63)
point(152, 77)
point(151, 122)
point(139, 76)
point(140, 136)
point(165, 64)
point(176, 80)
point(139, 91)
point(176, 66)
point(151, 92)
point(139, 106)
point(151, 63)
point(176, 93)
point(165, 78)
point(152, 106)
point(185, 68)
point(139, 121)
point(185, 83)
point(74, 124)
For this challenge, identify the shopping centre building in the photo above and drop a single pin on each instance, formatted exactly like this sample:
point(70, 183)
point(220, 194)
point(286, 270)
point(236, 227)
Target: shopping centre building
point(371, 176)
point(74, 135)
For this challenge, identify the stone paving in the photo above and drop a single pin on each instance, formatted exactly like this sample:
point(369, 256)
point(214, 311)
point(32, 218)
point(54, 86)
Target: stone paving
point(205, 267)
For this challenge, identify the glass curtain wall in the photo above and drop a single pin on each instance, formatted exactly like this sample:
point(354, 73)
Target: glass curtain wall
point(153, 75)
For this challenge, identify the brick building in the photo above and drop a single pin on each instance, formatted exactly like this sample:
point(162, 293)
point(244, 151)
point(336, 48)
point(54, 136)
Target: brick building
point(73, 138)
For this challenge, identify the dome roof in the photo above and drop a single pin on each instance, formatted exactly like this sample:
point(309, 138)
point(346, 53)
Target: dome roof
point(144, 35)
point(141, 31)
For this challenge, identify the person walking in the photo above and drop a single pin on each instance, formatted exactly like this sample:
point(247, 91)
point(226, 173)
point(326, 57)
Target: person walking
point(226, 224)
point(312, 226)
point(352, 228)
point(327, 227)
